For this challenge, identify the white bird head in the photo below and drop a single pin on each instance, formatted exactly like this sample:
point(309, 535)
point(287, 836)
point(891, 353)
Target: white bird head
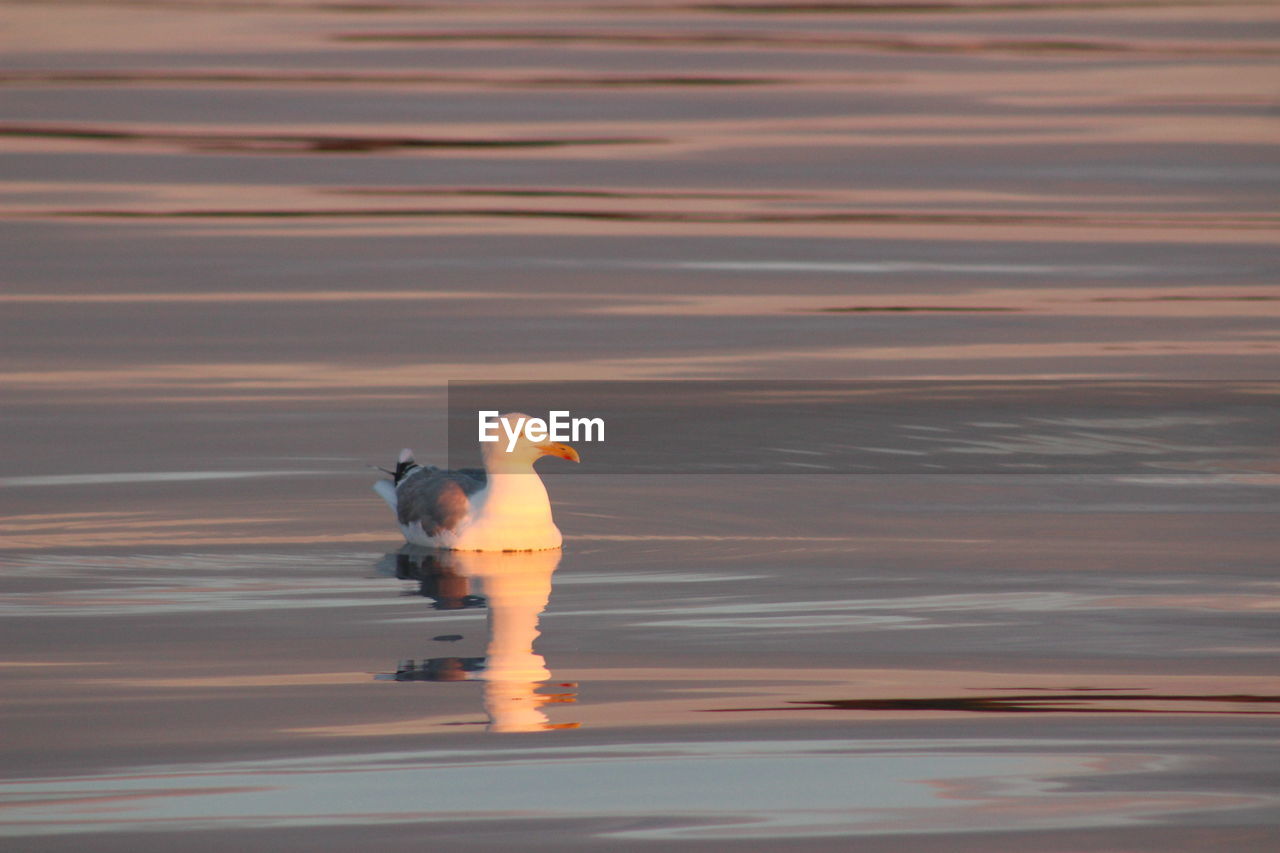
point(521, 451)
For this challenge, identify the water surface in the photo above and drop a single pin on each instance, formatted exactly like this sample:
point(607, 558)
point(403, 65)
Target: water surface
point(247, 245)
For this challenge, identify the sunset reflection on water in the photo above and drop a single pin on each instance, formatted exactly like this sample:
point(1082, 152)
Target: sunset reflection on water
point(248, 244)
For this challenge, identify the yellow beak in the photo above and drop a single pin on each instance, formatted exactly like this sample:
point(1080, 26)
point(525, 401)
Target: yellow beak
point(564, 451)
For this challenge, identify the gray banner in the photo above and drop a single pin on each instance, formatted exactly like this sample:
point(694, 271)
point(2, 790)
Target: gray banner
point(890, 427)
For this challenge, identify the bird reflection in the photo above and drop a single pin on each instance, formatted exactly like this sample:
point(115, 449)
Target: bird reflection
point(517, 587)
point(437, 579)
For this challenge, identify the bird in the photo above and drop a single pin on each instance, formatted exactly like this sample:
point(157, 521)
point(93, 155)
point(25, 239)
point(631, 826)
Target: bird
point(500, 507)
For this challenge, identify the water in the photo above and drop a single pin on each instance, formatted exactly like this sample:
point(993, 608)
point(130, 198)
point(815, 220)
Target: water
point(246, 246)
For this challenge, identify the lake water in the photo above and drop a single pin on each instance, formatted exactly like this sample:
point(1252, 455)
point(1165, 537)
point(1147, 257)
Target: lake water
point(246, 245)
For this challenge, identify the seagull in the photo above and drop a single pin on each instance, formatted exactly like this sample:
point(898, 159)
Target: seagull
point(500, 507)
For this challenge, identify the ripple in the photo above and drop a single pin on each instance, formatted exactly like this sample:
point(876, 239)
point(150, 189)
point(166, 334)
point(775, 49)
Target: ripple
point(815, 41)
point(144, 477)
point(733, 789)
point(1079, 701)
point(1238, 222)
point(385, 79)
point(316, 143)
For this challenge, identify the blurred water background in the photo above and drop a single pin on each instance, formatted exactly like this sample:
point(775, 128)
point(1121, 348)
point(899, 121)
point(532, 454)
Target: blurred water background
point(246, 244)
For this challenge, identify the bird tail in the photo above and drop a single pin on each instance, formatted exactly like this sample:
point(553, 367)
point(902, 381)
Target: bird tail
point(404, 465)
point(387, 491)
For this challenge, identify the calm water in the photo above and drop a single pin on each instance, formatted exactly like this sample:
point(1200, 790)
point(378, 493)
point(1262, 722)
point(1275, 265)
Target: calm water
point(245, 245)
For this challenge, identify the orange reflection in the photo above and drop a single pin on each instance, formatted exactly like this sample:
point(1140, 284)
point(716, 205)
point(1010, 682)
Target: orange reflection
point(517, 587)
point(702, 696)
point(162, 381)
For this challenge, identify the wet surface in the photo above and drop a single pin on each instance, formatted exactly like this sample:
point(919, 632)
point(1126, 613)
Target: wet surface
point(246, 246)
point(878, 675)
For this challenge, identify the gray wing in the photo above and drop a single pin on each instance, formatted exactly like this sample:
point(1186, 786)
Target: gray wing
point(437, 498)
